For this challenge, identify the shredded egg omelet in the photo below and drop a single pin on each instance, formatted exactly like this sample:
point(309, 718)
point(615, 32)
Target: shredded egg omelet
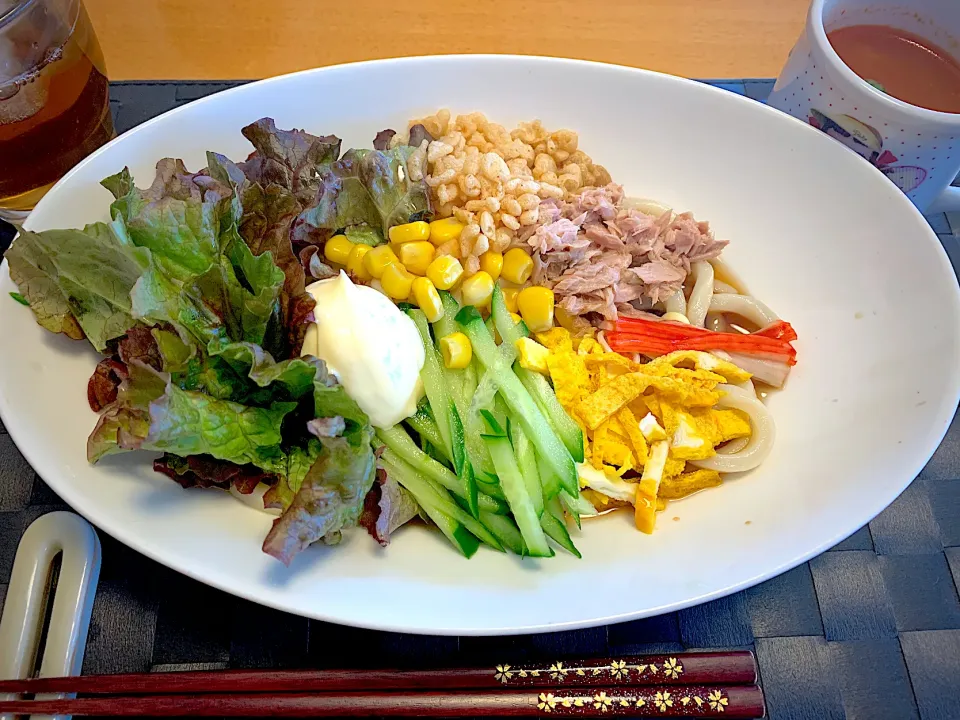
point(643, 422)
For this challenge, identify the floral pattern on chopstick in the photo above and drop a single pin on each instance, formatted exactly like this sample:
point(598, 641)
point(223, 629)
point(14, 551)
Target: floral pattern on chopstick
point(592, 673)
point(682, 702)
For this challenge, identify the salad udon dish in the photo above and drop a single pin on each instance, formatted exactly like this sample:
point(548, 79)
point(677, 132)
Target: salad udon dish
point(463, 325)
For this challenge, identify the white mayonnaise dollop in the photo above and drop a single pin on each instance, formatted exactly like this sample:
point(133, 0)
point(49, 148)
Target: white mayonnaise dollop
point(372, 348)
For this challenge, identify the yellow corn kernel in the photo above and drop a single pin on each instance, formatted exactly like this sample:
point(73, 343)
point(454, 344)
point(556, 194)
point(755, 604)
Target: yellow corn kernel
point(355, 266)
point(338, 249)
point(445, 272)
point(410, 232)
point(456, 350)
point(426, 296)
point(417, 256)
point(532, 355)
point(378, 259)
point(396, 281)
point(477, 289)
point(510, 297)
point(536, 308)
point(517, 266)
point(491, 262)
point(516, 318)
point(445, 230)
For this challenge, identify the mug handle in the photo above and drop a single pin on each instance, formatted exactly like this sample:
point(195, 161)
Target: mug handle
point(947, 201)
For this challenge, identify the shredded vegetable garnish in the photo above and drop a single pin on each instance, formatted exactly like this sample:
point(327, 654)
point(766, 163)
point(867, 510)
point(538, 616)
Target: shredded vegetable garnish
point(654, 337)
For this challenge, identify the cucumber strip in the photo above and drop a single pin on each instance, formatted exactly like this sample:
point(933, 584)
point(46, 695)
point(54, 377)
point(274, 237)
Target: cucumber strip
point(481, 400)
point(470, 379)
point(462, 385)
point(433, 451)
point(515, 395)
point(397, 439)
point(444, 409)
point(506, 531)
point(433, 382)
point(493, 424)
point(554, 526)
point(455, 531)
point(500, 408)
point(548, 479)
point(535, 383)
point(490, 485)
point(509, 330)
point(527, 462)
point(426, 428)
point(476, 451)
point(485, 392)
point(577, 505)
point(512, 482)
point(433, 494)
point(564, 425)
point(447, 325)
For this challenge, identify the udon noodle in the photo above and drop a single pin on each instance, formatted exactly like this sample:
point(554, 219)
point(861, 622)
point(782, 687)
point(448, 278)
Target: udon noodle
point(724, 305)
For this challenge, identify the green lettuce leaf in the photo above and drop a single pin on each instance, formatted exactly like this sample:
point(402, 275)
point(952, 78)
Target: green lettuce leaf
point(123, 424)
point(175, 354)
point(215, 404)
point(296, 376)
point(202, 278)
point(152, 413)
point(288, 158)
point(299, 461)
point(78, 282)
point(197, 296)
point(263, 218)
point(364, 235)
point(329, 499)
point(215, 377)
point(182, 232)
point(190, 423)
point(368, 188)
point(397, 198)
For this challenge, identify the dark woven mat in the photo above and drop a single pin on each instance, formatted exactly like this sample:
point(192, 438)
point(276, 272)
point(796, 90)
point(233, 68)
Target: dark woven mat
point(867, 631)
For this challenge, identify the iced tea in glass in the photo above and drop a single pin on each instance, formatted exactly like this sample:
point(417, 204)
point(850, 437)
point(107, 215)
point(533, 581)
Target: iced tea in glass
point(54, 102)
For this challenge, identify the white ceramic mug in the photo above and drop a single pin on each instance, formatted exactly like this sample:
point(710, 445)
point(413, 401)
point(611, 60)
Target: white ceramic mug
point(918, 149)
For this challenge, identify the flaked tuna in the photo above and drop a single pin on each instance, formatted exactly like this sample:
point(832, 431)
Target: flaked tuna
point(601, 257)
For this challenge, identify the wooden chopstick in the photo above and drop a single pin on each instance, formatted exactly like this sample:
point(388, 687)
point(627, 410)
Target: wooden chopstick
point(707, 701)
point(699, 668)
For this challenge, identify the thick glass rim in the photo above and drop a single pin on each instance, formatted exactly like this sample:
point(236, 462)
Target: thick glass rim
point(12, 13)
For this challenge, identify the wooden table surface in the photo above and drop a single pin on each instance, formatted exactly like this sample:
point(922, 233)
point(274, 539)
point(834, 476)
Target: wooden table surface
point(234, 39)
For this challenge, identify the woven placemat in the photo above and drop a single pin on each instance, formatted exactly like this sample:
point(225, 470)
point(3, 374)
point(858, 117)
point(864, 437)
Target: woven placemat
point(869, 630)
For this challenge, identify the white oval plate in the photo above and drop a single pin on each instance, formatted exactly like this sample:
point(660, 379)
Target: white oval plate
point(816, 232)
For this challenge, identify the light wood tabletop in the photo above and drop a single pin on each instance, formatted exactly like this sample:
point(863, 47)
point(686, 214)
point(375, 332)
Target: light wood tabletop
point(239, 39)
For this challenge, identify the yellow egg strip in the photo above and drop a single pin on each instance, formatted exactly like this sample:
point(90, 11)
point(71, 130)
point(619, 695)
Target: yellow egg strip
point(608, 395)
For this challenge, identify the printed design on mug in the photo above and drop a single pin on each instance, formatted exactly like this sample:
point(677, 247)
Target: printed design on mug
point(868, 143)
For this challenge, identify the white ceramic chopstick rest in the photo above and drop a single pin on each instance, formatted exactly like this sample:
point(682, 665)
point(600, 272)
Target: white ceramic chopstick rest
point(27, 598)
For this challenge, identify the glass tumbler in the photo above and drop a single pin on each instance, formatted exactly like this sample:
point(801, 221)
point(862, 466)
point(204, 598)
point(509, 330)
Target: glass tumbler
point(54, 102)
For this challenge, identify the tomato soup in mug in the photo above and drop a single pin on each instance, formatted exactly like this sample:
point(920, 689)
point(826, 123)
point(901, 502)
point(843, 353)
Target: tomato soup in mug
point(901, 64)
